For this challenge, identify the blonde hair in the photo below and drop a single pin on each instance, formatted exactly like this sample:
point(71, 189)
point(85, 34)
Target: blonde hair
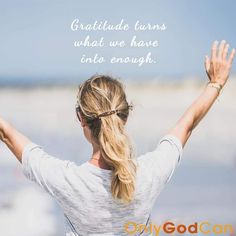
point(98, 96)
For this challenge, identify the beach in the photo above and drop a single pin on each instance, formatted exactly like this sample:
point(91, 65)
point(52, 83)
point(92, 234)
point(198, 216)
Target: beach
point(203, 187)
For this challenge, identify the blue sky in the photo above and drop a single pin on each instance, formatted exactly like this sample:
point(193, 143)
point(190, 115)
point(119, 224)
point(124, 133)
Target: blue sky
point(37, 43)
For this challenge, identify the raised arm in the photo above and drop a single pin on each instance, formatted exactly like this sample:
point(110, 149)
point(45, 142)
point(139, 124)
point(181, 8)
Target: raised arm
point(13, 138)
point(217, 68)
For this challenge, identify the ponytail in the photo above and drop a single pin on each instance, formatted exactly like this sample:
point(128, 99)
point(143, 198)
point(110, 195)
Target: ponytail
point(117, 152)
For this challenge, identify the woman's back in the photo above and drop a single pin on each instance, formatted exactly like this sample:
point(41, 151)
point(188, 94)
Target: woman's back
point(83, 191)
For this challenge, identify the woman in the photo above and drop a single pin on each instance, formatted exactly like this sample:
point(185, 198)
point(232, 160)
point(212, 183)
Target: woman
point(113, 192)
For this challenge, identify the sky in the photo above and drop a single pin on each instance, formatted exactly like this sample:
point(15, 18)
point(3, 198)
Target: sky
point(37, 41)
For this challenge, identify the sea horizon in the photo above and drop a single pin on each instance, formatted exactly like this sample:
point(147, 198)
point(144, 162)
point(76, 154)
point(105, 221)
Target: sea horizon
point(25, 81)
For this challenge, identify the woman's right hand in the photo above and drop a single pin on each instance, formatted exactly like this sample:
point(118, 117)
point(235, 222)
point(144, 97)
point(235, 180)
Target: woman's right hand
point(219, 65)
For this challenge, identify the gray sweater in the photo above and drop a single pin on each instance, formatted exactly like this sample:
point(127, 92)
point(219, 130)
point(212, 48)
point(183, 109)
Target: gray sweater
point(83, 191)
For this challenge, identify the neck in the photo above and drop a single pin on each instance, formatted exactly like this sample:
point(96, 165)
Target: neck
point(98, 160)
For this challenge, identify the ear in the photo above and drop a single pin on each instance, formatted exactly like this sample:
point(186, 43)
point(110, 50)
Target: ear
point(82, 122)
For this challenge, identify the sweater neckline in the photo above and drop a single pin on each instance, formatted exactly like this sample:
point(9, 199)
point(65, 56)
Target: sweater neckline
point(97, 169)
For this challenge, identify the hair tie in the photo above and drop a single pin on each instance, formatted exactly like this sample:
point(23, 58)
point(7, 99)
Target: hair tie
point(107, 113)
point(114, 111)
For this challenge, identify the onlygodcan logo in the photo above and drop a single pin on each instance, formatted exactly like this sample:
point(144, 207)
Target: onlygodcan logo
point(132, 228)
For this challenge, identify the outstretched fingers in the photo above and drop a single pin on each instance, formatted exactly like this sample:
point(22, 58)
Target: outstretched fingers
point(231, 57)
point(214, 50)
point(207, 63)
point(225, 52)
point(221, 50)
